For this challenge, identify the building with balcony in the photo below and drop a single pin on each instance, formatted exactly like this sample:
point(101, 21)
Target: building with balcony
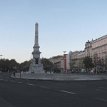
point(96, 49)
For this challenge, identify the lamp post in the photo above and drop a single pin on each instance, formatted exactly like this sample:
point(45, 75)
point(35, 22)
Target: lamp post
point(65, 69)
point(1, 56)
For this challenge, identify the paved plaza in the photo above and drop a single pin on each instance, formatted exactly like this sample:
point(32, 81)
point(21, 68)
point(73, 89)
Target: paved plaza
point(39, 93)
point(61, 77)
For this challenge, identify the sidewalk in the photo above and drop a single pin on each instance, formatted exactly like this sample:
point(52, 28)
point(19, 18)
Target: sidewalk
point(60, 77)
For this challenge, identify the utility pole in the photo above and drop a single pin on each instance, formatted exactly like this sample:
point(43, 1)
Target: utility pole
point(1, 56)
point(65, 69)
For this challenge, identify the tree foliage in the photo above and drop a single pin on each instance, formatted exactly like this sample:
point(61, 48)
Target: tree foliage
point(88, 62)
point(47, 64)
point(24, 66)
point(8, 65)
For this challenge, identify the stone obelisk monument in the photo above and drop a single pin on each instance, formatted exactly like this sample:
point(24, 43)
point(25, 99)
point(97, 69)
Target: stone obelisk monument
point(36, 66)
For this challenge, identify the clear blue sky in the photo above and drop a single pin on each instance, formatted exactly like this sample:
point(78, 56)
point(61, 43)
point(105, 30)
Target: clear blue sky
point(63, 25)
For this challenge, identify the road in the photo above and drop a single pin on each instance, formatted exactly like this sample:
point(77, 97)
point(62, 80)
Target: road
point(36, 93)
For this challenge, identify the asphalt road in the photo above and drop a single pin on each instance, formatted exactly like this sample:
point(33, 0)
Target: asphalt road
point(33, 93)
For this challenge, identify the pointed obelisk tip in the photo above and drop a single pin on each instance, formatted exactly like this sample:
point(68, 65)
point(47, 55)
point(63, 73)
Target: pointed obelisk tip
point(36, 27)
point(36, 23)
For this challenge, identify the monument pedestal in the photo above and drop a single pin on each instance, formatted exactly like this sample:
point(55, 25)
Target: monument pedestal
point(36, 68)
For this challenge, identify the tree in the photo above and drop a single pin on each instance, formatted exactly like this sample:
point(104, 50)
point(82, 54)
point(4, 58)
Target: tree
point(47, 64)
point(8, 65)
point(88, 63)
point(24, 66)
point(13, 65)
point(106, 62)
point(4, 65)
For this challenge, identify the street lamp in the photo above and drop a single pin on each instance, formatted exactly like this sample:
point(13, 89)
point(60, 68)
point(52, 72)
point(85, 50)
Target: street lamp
point(1, 56)
point(65, 62)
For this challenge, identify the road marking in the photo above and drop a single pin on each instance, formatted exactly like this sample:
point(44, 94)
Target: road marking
point(101, 99)
point(64, 91)
point(19, 82)
point(68, 92)
point(5, 80)
point(101, 89)
point(30, 84)
point(44, 87)
point(98, 89)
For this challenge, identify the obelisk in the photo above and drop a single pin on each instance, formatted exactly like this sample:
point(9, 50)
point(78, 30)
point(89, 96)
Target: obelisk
point(36, 66)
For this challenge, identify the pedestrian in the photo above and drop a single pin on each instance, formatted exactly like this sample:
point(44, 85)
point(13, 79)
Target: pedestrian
point(14, 73)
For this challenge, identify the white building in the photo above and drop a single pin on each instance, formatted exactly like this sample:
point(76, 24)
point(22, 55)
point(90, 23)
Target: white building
point(96, 49)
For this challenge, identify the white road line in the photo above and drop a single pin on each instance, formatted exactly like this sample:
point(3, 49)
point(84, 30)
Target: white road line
point(102, 88)
point(98, 89)
point(68, 92)
point(31, 84)
point(5, 80)
point(63, 91)
point(19, 82)
point(101, 99)
point(44, 87)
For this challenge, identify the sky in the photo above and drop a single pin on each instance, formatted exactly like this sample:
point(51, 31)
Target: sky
point(64, 25)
